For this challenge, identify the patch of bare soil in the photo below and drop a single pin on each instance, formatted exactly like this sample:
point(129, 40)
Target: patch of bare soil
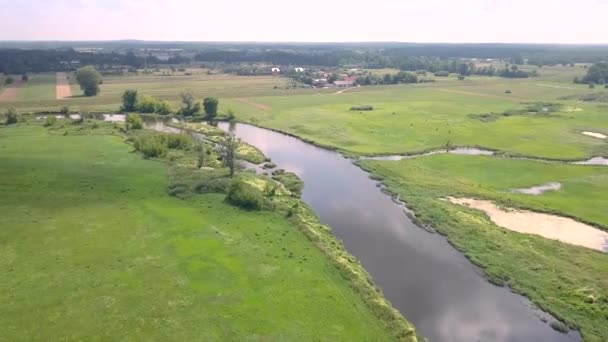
point(549, 226)
point(62, 89)
point(11, 91)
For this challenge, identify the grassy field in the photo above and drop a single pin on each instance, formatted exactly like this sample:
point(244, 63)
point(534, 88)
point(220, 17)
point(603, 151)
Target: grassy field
point(162, 87)
point(566, 280)
point(39, 87)
point(92, 246)
point(408, 119)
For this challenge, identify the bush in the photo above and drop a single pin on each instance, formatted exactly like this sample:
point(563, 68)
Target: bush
point(461, 77)
point(9, 80)
point(134, 121)
point(442, 73)
point(151, 145)
point(366, 107)
point(147, 104)
point(508, 92)
point(163, 107)
point(244, 196)
point(50, 121)
point(157, 144)
point(12, 116)
point(178, 141)
point(65, 110)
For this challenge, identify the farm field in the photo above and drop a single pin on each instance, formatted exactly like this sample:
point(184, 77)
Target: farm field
point(162, 87)
point(567, 280)
point(93, 246)
point(411, 119)
point(39, 87)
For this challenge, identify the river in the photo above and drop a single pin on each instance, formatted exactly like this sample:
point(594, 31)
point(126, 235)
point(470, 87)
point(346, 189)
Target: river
point(434, 286)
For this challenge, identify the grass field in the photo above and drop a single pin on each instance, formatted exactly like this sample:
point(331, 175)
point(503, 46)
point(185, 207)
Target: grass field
point(566, 280)
point(92, 246)
point(162, 87)
point(408, 119)
point(39, 87)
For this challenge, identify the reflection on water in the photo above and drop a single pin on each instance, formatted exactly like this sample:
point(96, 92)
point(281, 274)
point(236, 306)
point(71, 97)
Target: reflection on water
point(423, 276)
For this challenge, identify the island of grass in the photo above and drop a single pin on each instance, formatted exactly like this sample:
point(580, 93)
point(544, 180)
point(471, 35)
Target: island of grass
point(93, 244)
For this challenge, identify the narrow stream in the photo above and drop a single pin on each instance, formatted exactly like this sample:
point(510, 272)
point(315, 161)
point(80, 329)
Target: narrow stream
point(421, 274)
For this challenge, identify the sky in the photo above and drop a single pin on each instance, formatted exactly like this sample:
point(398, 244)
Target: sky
point(476, 21)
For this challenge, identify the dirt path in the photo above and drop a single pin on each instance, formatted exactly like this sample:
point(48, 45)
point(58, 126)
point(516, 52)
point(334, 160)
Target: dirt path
point(256, 105)
point(343, 90)
point(11, 91)
point(62, 89)
point(549, 226)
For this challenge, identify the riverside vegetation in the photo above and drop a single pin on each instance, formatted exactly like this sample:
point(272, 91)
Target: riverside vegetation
point(143, 258)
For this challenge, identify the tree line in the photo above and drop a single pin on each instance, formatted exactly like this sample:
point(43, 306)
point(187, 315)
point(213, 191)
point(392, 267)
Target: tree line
point(131, 102)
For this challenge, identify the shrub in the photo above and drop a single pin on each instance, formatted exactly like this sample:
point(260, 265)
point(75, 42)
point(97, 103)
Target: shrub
point(163, 107)
point(64, 110)
point(147, 104)
point(591, 85)
point(9, 80)
point(366, 107)
point(244, 196)
point(178, 141)
point(151, 145)
point(50, 121)
point(134, 121)
point(508, 92)
point(442, 73)
point(461, 77)
point(12, 116)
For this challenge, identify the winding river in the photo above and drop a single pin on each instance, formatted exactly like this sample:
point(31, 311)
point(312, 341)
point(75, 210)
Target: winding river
point(421, 274)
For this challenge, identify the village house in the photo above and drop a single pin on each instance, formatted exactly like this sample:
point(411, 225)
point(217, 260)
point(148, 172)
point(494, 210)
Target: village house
point(275, 70)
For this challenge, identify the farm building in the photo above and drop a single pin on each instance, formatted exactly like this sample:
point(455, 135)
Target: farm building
point(298, 69)
point(275, 70)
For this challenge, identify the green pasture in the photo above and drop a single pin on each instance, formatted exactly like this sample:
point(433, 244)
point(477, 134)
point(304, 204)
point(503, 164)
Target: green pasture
point(94, 247)
point(415, 118)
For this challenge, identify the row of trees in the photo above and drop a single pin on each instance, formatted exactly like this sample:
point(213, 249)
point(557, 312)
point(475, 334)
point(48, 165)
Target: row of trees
point(596, 74)
point(148, 104)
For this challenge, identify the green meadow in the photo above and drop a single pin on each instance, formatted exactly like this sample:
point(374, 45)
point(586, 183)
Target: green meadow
point(566, 280)
point(92, 245)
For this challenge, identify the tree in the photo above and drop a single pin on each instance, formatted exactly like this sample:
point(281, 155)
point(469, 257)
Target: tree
point(25, 78)
point(210, 105)
point(11, 116)
point(597, 73)
point(332, 78)
point(9, 80)
point(134, 121)
point(129, 100)
point(189, 105)
point(227, 152)
point(463, 69)
point(89, 80)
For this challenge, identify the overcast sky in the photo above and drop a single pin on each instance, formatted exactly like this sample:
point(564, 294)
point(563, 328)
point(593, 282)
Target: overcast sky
point(533, 21)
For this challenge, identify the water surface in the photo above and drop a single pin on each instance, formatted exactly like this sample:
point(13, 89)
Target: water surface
point(420, 273)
